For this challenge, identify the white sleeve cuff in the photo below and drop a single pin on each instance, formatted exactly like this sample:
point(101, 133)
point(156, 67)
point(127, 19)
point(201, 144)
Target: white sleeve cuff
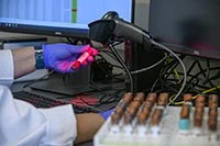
point(62, 127)
point(7, 67)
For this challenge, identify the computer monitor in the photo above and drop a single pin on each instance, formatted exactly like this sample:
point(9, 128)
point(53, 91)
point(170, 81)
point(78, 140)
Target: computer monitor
point(58, 17)
point(187, 26)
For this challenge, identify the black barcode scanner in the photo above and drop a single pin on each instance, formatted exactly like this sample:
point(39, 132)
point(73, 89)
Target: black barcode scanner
point(110, 26)
point(110, 15)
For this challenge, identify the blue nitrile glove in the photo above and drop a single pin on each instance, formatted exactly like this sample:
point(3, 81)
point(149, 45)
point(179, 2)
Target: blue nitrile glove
point(60, 57)
point(106, 114)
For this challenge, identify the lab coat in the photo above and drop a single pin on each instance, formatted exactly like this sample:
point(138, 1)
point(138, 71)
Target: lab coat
point(21, 124)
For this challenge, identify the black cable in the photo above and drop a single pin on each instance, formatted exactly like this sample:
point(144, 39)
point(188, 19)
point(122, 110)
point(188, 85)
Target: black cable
point(200, 67)
point(167, 73)
point(124, 66)
point(162, 73)
point(208, 72)
point(208, 69)
point(192, 66)
point(204, 74)
point(167, 86)
point(149, 67)
point(216, 76)
point(171, 66)
point(191, 84)
point(196, 62)
point(118, 60)
point(117, 66)
point(153, 86)
point(201, 72)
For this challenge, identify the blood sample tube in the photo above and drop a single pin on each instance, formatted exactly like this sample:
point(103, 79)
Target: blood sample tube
point(213, 98)
point(213, 108)
point(131, 112)
point(115, 121)
point(212, 122)
point(142, 117)
point(199, 108)
point(147, 106)
point(199, 114)
point(126, 99)
point(129, 116)
point(198, 120)
point(155, 121)
point(163, 99)
point(139, 97)
point(184, 122)
point(115, 118)
point(82, 59)
point(213, 115)
point(156, 117)
point(200, 98)
point(184, 114)
point(135, 104)
point(187, 97)
point(188, 100)
point(152, 97)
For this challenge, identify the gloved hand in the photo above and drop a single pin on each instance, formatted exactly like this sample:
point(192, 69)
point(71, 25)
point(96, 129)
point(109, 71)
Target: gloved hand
point(106, 114)
point(60, 57)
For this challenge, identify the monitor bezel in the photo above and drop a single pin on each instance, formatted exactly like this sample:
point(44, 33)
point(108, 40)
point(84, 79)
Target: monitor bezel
point(53, 31)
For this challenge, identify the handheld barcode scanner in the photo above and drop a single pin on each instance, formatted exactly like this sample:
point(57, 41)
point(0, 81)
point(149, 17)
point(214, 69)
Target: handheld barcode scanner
point(111, 27)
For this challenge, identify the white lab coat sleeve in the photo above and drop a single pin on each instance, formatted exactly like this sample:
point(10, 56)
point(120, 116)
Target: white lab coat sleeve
point(7, 68)
point(21, 124)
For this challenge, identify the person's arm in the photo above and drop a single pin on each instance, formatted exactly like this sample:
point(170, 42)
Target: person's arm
point(16, 63)
point(52, 126)
point(58, 57)
point(24, 61)
point(87, 126)
point(7, 69)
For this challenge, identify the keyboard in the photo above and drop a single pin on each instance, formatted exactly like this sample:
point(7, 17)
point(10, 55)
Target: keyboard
point(40, 101)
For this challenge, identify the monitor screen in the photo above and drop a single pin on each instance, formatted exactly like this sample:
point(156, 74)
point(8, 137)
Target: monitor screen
point(187, 26)
point(58, 17)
